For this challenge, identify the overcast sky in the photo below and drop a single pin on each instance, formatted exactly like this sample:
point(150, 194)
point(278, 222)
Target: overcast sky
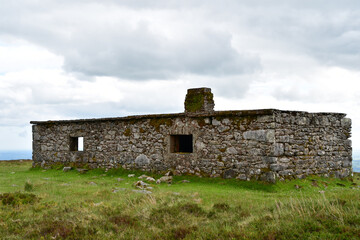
point(84, 59)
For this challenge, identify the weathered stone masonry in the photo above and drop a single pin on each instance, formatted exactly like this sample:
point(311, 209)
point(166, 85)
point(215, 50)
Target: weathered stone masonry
point(265, 144)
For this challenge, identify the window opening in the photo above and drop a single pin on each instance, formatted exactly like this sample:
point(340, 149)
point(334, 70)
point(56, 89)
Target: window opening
point(76, 143)
point(80, 143)
point(181, 143)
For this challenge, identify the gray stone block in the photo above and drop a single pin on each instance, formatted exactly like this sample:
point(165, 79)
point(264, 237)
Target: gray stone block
point(346, 122)
point(268, 177)
point(278, 149)
point(260, 135)
point(229, 173)
point(66, 169)
point(276, 167)
point(231, 150)
point(142, 160)
point(269, 159)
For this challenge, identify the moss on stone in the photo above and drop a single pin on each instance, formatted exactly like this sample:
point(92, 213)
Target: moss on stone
point(222, 149)
point(133, 121)
point(80, 165)
point(127, 132)
point(248, 119)
point(195, 101)
point(157, 122)
point(289, 177)
point(201, 122)
point(237, 121)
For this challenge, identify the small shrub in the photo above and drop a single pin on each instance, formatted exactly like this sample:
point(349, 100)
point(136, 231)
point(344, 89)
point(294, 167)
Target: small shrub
point(28, 187)
point(57, 229)
point(17, 198)
point(241, 213)
point(174, 214)
point(192, 208)
point(182, 232)
point(65, 222)
point(211, 214)
point(221, 207)
point(272, 235)
point(62, 229)
point(162, 215)
point(123, 220)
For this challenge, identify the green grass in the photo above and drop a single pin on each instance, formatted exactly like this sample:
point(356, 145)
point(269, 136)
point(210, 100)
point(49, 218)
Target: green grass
point(52, 204)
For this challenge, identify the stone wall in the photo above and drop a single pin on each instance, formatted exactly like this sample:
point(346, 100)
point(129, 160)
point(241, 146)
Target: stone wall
point(312, 143)
point(258, 144)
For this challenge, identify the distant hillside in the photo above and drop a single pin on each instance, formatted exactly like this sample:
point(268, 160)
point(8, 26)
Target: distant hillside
point(13, 155)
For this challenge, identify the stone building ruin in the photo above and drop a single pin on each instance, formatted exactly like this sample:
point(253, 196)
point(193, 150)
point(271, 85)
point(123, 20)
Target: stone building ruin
point(267, 144)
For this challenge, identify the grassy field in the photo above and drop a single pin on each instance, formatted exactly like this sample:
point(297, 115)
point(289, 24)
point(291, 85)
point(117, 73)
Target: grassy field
point(52, 204)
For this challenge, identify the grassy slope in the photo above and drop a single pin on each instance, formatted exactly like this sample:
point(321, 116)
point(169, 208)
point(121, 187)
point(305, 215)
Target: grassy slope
point(70, 206)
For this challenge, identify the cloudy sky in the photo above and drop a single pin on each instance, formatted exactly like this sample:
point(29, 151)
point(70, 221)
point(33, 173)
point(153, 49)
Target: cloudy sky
point(84, 59)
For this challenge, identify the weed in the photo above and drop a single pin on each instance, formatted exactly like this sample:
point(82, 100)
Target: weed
point(57, 166)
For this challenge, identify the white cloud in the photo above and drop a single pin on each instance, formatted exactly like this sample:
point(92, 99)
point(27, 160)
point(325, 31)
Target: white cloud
point(132, 44)
point(139, 57)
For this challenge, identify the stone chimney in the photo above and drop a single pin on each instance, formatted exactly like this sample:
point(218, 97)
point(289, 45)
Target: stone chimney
point(199, 100)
